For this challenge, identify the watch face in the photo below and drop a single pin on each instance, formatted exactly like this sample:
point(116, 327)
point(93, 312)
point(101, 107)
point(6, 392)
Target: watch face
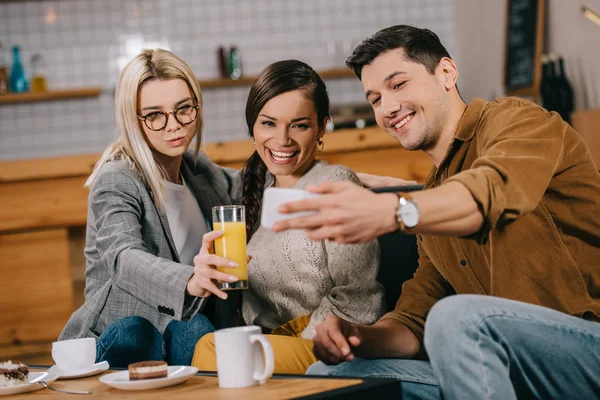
point(409, 214)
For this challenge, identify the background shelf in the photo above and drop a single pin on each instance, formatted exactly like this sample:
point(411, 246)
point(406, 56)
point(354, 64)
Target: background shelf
point(29, 97)
point(337, 73)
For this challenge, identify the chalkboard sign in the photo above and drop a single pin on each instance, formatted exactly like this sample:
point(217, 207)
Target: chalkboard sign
point(524, 40)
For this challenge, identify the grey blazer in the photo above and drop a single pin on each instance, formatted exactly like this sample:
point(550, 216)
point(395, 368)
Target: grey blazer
point(132, 265)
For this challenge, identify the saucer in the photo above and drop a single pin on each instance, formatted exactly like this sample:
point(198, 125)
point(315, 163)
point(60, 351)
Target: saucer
point(176, 374)
point(80, 373)
point(31, 386)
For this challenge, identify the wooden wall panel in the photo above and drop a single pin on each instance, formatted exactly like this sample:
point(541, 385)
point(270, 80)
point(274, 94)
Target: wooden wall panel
point(36, 292)
point(42, 229)
point(43, 204)
point(395, 162)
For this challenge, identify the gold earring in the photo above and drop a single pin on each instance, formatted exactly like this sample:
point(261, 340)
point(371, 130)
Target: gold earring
point(320, 145)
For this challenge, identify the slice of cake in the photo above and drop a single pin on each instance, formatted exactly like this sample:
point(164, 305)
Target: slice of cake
point(147, 370)
point(13, 374)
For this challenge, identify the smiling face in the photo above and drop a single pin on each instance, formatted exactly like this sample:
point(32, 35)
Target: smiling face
point(167, 95)
point(286, 133)
point(409, 103)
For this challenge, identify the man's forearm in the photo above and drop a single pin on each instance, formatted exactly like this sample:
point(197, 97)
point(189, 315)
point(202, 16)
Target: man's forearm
point(445, 210)
point(387, 339)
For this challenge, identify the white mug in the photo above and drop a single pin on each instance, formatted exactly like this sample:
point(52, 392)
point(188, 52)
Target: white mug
point(244, 357)
point(74, 354)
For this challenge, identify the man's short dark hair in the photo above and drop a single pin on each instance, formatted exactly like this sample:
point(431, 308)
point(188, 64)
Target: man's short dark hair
point(420, 45)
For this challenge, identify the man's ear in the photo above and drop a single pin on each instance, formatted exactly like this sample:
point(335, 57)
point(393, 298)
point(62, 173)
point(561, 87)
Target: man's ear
point(447, 73)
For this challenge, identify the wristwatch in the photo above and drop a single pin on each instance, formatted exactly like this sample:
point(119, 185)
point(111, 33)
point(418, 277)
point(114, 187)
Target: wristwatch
point(407, 212)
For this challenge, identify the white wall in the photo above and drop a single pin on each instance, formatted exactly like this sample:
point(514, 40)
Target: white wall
point(87, 42)
point(578, 40)
point(479, 32)
point(479, 28)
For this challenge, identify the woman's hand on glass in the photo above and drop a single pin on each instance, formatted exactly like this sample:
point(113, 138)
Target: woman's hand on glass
point(202, 282)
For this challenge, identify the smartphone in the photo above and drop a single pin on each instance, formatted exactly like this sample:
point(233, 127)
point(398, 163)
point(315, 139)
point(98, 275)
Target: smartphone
point(274, 197)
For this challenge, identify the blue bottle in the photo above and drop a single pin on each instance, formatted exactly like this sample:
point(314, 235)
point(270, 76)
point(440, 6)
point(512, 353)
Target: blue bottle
point(18, 80)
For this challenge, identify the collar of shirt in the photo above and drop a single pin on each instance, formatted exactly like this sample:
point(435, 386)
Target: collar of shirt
point(470, 119)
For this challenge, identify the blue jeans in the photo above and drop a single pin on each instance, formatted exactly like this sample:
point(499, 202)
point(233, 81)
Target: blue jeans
point(418, 381)
point(133, 339)
point(484, 347)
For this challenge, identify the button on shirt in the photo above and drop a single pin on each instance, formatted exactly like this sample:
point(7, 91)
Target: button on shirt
point(539, 192)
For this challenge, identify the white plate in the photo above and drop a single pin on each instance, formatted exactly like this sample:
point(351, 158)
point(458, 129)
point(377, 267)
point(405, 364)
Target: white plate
point(31, 386)
point(81, 373)
point(176, 375)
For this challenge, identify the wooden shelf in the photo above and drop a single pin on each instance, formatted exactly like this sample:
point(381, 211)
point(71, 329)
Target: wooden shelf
point(30, 97)
point(338, 73)
point(225, 82)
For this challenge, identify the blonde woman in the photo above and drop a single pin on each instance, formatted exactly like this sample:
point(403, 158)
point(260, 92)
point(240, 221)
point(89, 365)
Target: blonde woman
point(148, 276)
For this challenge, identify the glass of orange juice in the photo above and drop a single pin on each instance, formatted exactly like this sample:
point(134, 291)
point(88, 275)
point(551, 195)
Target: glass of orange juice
point(232, 245)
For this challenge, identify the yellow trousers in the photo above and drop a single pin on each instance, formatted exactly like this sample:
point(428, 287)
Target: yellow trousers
point(293, 354)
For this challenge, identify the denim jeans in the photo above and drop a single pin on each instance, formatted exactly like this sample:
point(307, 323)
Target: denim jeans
point(483, 347)
point(133, 339)
point(418, 381)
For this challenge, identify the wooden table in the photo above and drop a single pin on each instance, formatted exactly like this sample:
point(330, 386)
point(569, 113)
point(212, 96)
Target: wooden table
point(205, 386)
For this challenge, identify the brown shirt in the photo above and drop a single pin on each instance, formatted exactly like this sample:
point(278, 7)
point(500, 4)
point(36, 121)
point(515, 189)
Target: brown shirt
point(539, 191)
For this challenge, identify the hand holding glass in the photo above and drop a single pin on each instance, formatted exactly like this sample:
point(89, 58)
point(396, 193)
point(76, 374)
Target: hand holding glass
point(232, 244)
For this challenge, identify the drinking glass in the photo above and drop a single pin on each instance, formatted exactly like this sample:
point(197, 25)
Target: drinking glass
point(232, 245)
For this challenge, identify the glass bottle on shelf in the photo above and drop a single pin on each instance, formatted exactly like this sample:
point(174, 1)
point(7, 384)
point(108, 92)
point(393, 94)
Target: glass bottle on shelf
point(546, 84)
point(559, 99)
point(3, 71)
point(235, 63)
point(222, 62)
point(566, 89)
point(38, 80)
point(18, 80)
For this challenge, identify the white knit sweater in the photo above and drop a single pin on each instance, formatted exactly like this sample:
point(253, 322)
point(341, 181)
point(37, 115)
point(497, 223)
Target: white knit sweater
point(291, 276)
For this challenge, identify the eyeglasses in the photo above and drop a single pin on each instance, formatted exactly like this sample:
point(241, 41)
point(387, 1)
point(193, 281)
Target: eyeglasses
point(157, 120)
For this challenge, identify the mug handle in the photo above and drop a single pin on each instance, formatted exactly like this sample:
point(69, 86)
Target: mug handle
point(269, 359)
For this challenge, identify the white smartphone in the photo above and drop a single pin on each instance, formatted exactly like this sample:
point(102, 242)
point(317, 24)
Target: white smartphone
point(274, 197)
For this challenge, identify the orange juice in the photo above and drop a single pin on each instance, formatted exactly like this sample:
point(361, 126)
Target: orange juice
point(232, 245)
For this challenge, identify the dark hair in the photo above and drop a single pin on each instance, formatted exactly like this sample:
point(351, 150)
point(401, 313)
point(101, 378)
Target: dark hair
point(276, 79)
point(420, 45)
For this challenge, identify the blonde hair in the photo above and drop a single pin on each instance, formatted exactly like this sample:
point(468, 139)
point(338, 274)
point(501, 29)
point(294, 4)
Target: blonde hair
point(131, 144)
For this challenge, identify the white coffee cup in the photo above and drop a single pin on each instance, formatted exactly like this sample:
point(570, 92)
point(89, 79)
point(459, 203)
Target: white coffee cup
point(274, 197)
point(74, 354)
point(244, 357)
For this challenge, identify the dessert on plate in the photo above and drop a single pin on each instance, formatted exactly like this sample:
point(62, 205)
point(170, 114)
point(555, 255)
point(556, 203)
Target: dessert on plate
point(13, 374)
point(147, 370)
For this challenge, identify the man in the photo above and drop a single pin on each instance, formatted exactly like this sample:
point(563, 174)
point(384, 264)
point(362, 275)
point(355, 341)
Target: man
point(509, 220)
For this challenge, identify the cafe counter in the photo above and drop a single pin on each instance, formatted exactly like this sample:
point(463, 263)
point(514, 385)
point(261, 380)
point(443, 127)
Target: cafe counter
point(43, 217)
